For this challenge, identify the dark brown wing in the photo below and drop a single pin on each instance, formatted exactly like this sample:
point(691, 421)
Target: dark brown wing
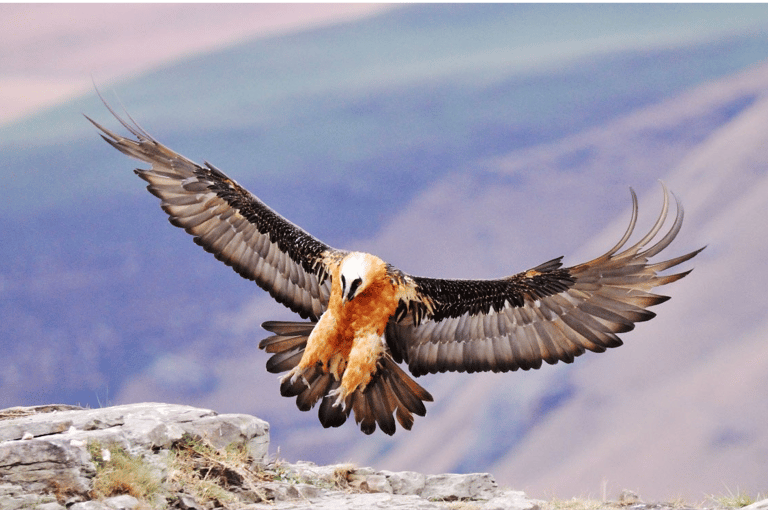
point(233, 224)
point(548, 313)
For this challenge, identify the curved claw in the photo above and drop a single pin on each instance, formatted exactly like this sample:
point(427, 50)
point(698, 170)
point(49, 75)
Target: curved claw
point(341, 397)
point(293, 375)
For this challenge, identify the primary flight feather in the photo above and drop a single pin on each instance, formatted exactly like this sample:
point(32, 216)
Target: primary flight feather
point(365, 316)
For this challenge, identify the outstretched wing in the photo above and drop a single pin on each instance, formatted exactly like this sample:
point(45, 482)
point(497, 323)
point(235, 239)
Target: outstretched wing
point(548, 313)
point(233, 224)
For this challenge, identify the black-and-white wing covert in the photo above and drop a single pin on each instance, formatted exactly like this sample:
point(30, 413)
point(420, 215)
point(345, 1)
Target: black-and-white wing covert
point(233, 224)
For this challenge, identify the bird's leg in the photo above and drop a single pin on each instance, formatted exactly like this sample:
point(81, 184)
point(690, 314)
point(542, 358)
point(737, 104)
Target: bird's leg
point(320, 349)
point(361, 367)
point(341, 393)
point(298, 371)
point(336, 365)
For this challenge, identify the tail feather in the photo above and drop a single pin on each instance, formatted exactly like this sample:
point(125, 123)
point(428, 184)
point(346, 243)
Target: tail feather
point(332, 415)
point(281, 343)
point(363, 413)
point(411, 395)
point(285, 361)
point(378, 402)
point(287, 344)
point(403, 415)
point(288, 328)
point(390, 397)
point(405, 418)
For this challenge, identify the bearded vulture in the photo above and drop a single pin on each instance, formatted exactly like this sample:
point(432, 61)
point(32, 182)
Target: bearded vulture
point(365, 316)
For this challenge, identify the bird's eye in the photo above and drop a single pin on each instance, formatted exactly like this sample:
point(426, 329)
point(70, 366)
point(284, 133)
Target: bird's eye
point(353, 288)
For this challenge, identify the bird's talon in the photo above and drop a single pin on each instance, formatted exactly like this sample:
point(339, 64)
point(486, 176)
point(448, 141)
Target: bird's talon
point(294, 374)
point(341, 398)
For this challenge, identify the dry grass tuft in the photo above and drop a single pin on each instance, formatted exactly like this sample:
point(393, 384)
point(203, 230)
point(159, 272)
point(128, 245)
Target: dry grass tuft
point(574, 504)
point(118, 472)
point(341, 475)
point(209, 474)
point(732, 500)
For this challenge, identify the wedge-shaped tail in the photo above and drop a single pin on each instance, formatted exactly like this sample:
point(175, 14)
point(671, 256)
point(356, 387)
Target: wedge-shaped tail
point(390, 394)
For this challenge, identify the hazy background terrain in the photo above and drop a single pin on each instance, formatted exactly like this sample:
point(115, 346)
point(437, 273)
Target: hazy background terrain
point(451, 140)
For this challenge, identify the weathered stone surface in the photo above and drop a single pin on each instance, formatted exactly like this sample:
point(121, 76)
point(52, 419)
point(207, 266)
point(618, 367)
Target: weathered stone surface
point(187, 502)
point(226, 429)
point(53, 505)
point(43, 450)
point(446, 487)
point(124, 502)
point(373, 489)
point(147, 426)
point(45, 464)
point(451, 487)
point(88, 505)
point(758, 505)
point(406, 482)
point(339, 500)
point(13, 496)
point(511, 500)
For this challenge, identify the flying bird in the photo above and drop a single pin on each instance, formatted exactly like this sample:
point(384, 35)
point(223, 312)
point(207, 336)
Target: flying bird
point(363, 316)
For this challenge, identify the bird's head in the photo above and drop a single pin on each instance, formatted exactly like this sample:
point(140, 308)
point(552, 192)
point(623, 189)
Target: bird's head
point(357, 272)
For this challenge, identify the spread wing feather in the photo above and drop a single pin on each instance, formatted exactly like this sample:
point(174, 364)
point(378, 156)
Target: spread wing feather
point(548, 313)
point(232, 224)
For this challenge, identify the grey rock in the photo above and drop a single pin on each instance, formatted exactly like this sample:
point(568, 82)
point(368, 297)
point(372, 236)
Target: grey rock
point(371, 489)
point(44, 451)
point(88, 505)
point(20, 412)
point(372, 483)
point(512, 500)
point(280, 491)
point(406, 482)
point(145, 426)
point(44, 463)
point(452, 487)
point(187, 502)
point(46, 447)
point(225, 429)
point(758, 505)
point(123, 502)
point(445, 487)
point(288, 492)
point(50, 505)
point(13, 496)
point(339, 500)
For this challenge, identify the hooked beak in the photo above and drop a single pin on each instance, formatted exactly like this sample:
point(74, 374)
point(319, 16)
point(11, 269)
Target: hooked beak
point(349, 293)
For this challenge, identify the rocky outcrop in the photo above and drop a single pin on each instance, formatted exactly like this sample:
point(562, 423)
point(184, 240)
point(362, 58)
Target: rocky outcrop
point(343, 487)
point(154, 455)
point(171, 456)
point(758, 505)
